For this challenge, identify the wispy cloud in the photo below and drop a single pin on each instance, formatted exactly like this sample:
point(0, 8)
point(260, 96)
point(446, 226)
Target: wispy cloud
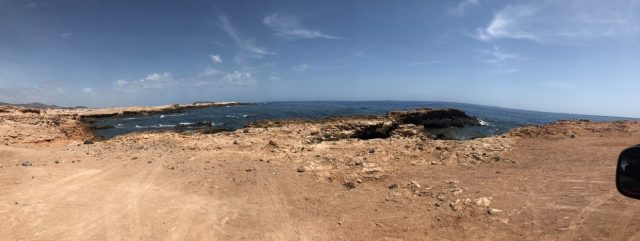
point(557, 20)
point(209, 72)
point(239, 78)
point(35, 4)
point(301, 68)
point(289, 27)
point(247, 46)
point(65, 35)
point(508, 23)
point(41, 92)
point(428, 62)
point(216, 59)
point(497, 55)
point(462, 7)
point(151, 81)
point(87, 90)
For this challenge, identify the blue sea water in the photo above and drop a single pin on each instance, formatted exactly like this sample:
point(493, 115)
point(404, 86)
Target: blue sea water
point(495, 120)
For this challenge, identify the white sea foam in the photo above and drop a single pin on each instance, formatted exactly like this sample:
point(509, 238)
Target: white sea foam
point(483, 123)
point(185, 123)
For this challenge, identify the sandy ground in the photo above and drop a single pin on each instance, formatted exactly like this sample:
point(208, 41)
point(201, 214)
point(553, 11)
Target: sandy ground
point(279, 182)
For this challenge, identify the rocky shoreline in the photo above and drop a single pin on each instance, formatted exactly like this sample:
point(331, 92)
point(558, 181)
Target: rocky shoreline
point(354, 178)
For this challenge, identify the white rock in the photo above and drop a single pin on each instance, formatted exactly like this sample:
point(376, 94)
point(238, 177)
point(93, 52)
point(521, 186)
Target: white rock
point(494, 211)
point(483, 201)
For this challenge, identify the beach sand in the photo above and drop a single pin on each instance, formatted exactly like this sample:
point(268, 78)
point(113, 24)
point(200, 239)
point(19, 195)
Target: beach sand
point(286, 181)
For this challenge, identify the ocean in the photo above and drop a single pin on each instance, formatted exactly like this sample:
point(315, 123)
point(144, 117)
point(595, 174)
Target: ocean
point(495, 120)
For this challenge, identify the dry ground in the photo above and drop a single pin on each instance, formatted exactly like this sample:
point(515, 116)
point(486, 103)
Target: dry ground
point(278, 183)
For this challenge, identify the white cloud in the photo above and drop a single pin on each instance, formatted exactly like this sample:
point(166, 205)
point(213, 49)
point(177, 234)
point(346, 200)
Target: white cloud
point(209, 72)
point(216, 59)
point(87, 90)
point(462, 7)
point(507, 23)
point(301, 68)
point(247, 47)
point(152, 81)
point(238, 78)
point(497, 55)
point(289, 28)
point(557, 20)
point(120, 83)
point(35, 4)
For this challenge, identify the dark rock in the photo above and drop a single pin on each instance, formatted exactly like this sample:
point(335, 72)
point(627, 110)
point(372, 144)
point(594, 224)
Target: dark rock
point(393, 186)
point(367, 131)
point(190, 127)
point(103, 127)
point(26, 164)
point(88, 142)
point(210, 130)
point(273, 143)
point(302, 168)
point(349, 185)
point(434, 119)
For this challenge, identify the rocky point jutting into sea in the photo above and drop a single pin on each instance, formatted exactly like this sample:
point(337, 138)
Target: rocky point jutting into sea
point(345, 178)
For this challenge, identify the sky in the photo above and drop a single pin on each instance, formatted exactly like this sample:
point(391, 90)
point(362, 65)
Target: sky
point(570, 56)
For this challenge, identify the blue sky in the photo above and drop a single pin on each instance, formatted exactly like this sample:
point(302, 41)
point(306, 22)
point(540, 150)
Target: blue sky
point(573, 56)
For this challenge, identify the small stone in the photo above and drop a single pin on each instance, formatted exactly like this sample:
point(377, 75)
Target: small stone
point(250, 169)
point(172, 167)
point(26, 164)
point(483, 201)
point(372, 150)
point(415, 184)
point(494, 211)
point(302, 168)
point(359, 180)
point(273, 143)
point(393, 186)
point(88, 142)
point(149, 162)
point(235, 142)
point(457, 191)
point(56, 162)
point(572, 136)
point(340, 223)
point(350, 185)
point(434, 163)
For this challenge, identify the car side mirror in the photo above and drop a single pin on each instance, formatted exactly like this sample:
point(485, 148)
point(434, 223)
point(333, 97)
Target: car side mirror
point(628, 172)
